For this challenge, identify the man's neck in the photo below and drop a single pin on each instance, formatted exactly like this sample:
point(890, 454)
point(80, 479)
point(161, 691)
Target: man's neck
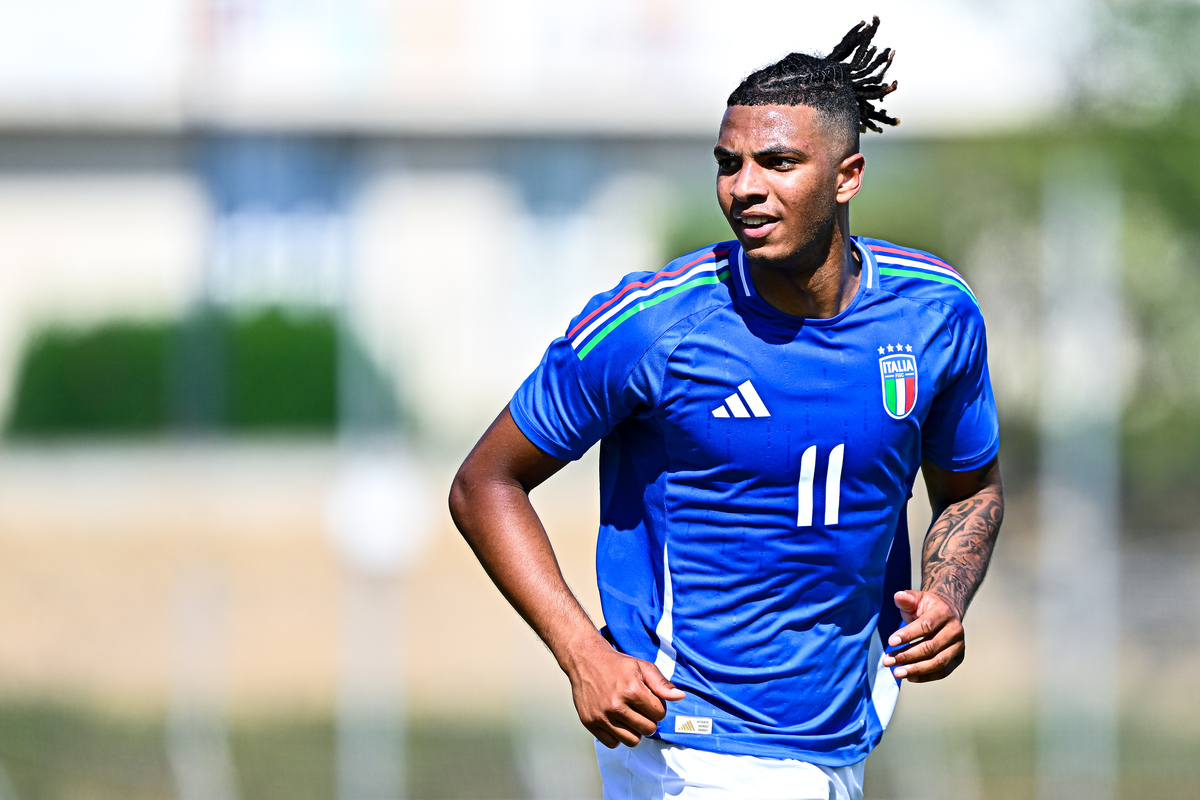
point(818, 286)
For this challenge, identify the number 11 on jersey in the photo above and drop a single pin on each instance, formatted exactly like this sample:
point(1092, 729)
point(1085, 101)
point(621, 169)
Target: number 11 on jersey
point(833, 486)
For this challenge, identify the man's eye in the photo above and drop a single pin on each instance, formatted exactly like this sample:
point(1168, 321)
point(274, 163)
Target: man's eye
point(727, 164)
point(781, 163)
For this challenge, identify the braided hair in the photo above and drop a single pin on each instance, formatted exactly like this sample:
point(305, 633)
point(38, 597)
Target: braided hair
point(843, 87)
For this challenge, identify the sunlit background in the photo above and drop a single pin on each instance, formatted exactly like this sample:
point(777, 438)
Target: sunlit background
point(269, 267)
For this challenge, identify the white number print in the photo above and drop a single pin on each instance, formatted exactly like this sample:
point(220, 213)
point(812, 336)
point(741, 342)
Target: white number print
point(833, 486)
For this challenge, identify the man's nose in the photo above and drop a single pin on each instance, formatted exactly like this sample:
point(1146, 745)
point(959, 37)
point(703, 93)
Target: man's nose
point(748, 184)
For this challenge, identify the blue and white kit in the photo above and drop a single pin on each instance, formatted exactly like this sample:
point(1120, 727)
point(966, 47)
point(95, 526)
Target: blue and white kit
point(754, 471)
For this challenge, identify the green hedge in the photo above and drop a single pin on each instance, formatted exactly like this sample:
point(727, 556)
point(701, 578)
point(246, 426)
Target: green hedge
point(109, 379)
point(283, 373)
point(273, 370)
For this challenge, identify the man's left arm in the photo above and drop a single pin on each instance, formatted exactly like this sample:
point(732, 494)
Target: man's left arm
point(967, 510)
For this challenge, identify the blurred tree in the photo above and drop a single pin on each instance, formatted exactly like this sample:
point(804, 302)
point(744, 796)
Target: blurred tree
point(695, 221)
point(1140, 87)
point(1140, 66)
point(271, 370)
point(108, 379)
point(282, 372)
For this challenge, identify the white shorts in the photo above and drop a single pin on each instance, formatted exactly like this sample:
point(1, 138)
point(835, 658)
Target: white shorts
point(655, 770)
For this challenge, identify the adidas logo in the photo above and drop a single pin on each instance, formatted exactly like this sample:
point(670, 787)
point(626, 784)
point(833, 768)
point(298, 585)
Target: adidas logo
point(735, 407)
point(701, 725)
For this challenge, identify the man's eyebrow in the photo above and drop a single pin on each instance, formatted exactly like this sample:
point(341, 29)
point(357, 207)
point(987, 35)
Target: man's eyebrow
point(770, 150)
point(779, 150)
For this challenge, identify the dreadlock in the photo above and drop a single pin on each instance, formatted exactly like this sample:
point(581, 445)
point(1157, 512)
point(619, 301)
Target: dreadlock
point(842, 87)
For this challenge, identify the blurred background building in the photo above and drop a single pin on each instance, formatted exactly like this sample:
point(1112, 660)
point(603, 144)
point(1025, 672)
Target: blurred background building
point(269, 267)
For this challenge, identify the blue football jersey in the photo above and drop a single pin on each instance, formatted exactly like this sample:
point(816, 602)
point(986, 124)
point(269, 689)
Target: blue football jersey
point(754, 471)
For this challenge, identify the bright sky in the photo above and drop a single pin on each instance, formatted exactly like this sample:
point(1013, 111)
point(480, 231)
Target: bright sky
point(961, 64)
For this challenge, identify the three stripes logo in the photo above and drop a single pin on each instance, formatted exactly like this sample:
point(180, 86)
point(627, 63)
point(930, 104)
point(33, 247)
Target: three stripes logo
point(745, 402)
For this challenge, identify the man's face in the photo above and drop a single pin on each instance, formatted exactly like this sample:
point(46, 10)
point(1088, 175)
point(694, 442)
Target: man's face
point(780, 175)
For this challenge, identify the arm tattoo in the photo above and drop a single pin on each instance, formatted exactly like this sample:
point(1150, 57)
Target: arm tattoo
point(959, 546)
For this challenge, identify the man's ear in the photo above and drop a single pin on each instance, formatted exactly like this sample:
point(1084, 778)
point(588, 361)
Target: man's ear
point(849, 176)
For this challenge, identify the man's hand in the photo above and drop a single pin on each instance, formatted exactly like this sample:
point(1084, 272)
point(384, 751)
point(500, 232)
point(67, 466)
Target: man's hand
point(967, 510)
point(937, 629)
point(619, 698)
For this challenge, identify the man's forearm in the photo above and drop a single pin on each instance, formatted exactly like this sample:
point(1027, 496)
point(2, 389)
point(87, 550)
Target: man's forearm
point(959, 544)
point(967, 509)
point(489, 501)
point(503, 529)
point(619, 698)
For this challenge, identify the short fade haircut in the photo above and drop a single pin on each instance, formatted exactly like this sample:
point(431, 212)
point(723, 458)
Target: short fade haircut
point(841, 87)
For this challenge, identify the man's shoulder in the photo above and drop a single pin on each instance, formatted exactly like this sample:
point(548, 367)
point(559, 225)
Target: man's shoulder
point(644, 305)
point(921, 276)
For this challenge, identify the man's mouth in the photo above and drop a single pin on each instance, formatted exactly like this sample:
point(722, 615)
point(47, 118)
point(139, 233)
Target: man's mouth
point(755, 222)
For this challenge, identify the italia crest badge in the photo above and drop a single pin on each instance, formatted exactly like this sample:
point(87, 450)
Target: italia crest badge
point(899, 375)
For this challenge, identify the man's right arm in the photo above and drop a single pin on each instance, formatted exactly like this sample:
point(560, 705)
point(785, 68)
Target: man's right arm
point(619, 698)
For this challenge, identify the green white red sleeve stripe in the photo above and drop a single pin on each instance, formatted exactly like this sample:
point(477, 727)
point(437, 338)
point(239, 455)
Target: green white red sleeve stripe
point(640, 295)
point(911, 264)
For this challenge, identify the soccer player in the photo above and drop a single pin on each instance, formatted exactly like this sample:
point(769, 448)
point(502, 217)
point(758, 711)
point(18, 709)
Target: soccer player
point(762, 406)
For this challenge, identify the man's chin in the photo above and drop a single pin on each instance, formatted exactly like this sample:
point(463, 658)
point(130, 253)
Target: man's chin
point(762, 250)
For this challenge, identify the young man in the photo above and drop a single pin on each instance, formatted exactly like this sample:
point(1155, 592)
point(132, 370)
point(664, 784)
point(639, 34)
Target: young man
point(763, 406)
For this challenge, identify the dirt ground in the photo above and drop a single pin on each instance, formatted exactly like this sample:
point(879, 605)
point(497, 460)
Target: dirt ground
point(119, 562)
point(113, 557)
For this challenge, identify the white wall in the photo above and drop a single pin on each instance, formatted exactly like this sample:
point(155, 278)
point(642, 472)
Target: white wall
point(460, 287)
point(81, 248)
point(504, 65)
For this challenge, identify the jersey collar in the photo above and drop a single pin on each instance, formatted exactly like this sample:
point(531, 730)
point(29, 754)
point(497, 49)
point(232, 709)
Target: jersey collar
point(744, 284)
point(870, 271)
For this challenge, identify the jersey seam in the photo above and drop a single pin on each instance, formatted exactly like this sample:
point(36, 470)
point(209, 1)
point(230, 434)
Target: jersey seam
point(946, 311)
point(980, 459)
point(703, 314)
point(707, 312)
point(935, 304)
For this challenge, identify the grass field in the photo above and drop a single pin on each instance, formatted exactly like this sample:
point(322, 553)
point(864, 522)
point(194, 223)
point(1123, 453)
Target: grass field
point(61, 753)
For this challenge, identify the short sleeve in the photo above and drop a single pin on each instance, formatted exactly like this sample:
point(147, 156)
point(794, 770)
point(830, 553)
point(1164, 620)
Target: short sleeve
point(962, 431)
point(576, 396)
point(564, 408)
point(611, 362)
